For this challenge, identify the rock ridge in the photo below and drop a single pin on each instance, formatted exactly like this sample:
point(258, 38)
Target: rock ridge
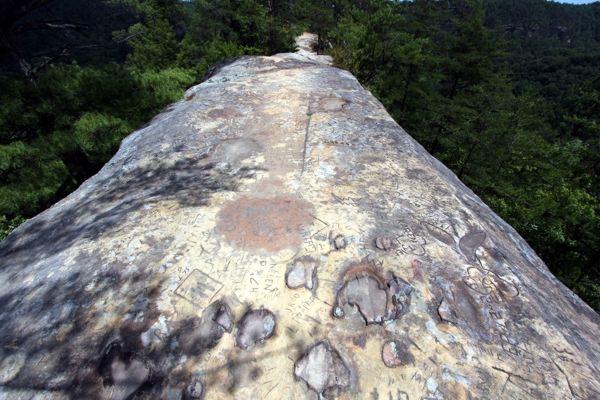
point(275, 234)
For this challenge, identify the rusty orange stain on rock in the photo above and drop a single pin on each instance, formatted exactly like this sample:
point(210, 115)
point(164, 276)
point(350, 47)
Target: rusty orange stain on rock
point(272, 223)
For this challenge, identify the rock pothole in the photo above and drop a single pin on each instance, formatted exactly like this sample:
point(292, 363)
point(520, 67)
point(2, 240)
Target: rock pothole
point(446, 313)
point(205, 332)
point(302, 274)
point(339, 242)
point(323, 369)
point(377, 302)
point(395, 354)
point(383, 243)
point(194, 390)
point(255, 327)
point(124, 371)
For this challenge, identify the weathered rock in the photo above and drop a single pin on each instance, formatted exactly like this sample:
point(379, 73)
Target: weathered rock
point(123, 372)
point(446, 313)
point(166, 274)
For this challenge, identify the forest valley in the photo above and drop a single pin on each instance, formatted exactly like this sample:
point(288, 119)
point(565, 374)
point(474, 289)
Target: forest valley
point(503, 92)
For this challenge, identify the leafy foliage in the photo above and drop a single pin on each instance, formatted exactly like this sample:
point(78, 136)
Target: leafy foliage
point(57, 135)
point(529, 148)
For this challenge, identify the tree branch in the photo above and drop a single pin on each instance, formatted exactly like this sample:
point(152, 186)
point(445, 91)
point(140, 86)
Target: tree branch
point(58, 24)
point(69, 46)
point(64, 51)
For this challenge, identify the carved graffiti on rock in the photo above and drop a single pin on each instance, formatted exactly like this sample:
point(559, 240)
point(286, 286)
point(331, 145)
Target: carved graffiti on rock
point(199, 288)
point(487, 282)
point(440, 234)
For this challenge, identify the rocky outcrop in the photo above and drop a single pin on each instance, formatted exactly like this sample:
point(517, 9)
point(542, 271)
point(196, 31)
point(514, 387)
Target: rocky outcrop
point(277, 235)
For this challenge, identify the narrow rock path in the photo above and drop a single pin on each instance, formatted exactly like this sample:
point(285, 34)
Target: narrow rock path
point(306, 43)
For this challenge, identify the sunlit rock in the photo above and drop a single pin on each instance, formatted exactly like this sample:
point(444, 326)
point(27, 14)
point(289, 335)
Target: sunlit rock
point(277, 235)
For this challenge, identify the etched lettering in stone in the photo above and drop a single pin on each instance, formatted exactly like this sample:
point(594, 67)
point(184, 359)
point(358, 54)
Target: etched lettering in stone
point(227, 206)
point(487, 282)
point(323, 369)
point(199, 288)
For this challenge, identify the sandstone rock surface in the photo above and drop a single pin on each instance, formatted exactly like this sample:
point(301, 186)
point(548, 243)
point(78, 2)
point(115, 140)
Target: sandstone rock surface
point(277, 235)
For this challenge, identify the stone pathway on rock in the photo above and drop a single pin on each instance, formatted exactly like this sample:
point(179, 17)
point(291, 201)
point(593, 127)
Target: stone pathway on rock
point(307, 43)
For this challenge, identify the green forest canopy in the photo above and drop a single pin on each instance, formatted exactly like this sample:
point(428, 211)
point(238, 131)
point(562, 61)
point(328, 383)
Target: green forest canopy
point(504, 92)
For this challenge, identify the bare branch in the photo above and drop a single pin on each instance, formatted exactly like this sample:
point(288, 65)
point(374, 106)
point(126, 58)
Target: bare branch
point(60, 49)
point(130, 37)
point(58, 24)
point(64, 51)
